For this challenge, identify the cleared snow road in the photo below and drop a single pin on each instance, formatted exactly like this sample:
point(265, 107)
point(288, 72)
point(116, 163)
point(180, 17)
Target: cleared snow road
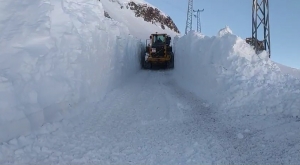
point(147, 120)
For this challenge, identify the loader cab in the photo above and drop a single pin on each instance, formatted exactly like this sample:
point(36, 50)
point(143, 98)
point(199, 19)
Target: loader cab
point(158, 39)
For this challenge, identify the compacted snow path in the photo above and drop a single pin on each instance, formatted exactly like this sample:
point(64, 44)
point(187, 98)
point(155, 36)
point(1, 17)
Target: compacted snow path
point(147, 120)
point(144, 121)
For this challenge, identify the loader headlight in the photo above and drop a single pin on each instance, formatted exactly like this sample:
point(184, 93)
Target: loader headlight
point(153, 50)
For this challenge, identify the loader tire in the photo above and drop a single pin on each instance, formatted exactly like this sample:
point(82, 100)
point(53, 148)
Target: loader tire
point(144, 64)
point(142, 60)
point(171, 63)
point(147, 65)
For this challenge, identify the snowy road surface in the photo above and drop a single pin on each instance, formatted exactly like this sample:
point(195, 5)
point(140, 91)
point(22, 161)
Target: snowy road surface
point(149, 120)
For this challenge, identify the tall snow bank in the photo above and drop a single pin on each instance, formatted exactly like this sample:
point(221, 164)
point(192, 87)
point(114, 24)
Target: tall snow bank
point(55, 55)
point(225, 71)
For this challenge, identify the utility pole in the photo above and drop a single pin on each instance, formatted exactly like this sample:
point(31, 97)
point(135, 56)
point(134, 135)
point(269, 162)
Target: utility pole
point(198, 19)
point(260, 16)
point(189, 17)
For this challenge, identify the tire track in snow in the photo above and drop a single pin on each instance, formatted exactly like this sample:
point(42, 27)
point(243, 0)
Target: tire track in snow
point(209, 133)
point(147, 120)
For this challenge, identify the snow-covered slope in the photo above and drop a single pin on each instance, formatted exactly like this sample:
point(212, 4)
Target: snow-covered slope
point(288, 70)
point(225, 71)
point(55, 55)
point(117, 10)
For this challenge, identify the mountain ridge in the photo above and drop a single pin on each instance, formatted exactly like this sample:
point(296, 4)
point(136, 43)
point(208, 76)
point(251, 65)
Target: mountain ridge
point(133, 12)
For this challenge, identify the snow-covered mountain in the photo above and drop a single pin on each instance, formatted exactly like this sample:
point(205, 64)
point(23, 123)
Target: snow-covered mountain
point(140, 17)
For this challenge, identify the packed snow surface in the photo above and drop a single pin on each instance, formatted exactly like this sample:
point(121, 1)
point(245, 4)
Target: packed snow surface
point(225, 71)
point(289, 71)
point(56, 54)
point(150, 120)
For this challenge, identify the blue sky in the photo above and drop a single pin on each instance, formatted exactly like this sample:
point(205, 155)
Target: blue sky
point(237, 14)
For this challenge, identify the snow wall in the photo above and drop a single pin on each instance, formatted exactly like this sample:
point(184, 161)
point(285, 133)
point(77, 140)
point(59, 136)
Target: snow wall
point(57, 55)
point(225, 71)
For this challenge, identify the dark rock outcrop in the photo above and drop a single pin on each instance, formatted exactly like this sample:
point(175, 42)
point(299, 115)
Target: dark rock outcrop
point(106, 14)
point(148, 13)
point(152, 15)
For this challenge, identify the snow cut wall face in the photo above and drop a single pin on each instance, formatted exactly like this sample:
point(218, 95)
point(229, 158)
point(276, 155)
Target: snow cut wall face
point(225, 71)
point(56, 54)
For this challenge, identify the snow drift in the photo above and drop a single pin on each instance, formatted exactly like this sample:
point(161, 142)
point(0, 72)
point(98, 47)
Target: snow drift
point(55, 55)
point(225, 71)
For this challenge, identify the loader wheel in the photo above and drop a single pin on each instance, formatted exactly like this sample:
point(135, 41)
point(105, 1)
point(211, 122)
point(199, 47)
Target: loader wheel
point(144, 64)
point(142, 60)
point(171, 63)
point(147, 65)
